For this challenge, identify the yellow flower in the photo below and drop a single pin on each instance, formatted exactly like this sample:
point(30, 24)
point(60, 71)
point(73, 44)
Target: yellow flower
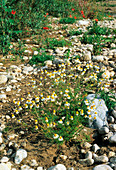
point(36, 127)
point(89, 116)
point(46, 119)
point(71, 117)
point(54, 112)
point(85, 116)
point(48, 125)
point(55, 136)
point(77, 113)
point(36, 121)
point(60, 138)
point(82, 112)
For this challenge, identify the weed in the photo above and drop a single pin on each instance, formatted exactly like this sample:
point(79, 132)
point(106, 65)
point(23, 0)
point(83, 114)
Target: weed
point(52, 43)
point(40, 59)
point(67, 21)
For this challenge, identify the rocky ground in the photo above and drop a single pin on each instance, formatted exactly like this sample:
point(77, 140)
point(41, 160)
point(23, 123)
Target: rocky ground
point(26, 150)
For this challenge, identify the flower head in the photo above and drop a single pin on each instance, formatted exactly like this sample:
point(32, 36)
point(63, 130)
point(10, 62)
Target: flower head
point(13, 12)
point(72, 9)
point(60, 138)
point(45, 28)
point(55, 136)
point(96, 20)
point(82, 12)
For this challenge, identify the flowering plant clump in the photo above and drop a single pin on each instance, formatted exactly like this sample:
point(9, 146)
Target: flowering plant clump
point(57, 106)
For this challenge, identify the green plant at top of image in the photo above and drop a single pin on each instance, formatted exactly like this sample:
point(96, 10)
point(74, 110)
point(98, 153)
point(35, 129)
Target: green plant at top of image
point(52, 43)
point(37, 59)
point(17, 19)
point(96, 29)
point(8, 27)
point(74, 32)
point(67, 21)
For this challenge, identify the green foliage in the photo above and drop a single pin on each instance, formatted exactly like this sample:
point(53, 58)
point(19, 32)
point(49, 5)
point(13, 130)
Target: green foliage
point(8, 27)
point(96, 29)
point(67, 21)
point(94, 36)
point(74, 32)
point(40, 59)
point(110, 100)
point(52, 43)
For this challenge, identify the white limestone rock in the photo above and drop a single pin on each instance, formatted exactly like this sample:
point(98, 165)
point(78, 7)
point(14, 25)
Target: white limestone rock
point(101, 159)
point(86, 145)
point(27, 69)
point(3, 96)
point(103, 130)
point(83, 22)
point(48, 63)
point(100, 108)
point(3, 79)
point(35, 52)
point(40, 168)
point(113, 127)
point(4, 159)
point(111, 119)
point(33, 163)
point(87, 56)
point(25, 167)
point(6, 166)
point(86, 162)
point(102, 167)
point(20, 155)
point(98, 58)
point(8, 89)
point(111, 154)
point(95, 148)
point(58, 61)
point(114, 113)
point(60, 50)
point(2, 147)
point(113, 160)
point(88, 155)
point(57, 167)
point(112, 139)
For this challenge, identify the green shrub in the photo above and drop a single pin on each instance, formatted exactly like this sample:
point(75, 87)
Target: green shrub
point(40, 59)
point(67, 21)
point(74, 32)
point(96, 29)
point(52, 43)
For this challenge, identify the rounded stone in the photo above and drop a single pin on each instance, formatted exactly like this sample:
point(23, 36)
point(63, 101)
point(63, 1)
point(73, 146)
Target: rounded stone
point(87, 56)
point(101, 159)
point(111, 119)
point(86, 145)
point(57, 167)
point(113, 127)
point(4, 159)
point(6, 166)
point(88, 155)
point(114, 113)
point(86, 162)
point(112, 139)
point(3, 79)
point(95, 148)
point(103, 130)
point(102, 167)
point(20, 155)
